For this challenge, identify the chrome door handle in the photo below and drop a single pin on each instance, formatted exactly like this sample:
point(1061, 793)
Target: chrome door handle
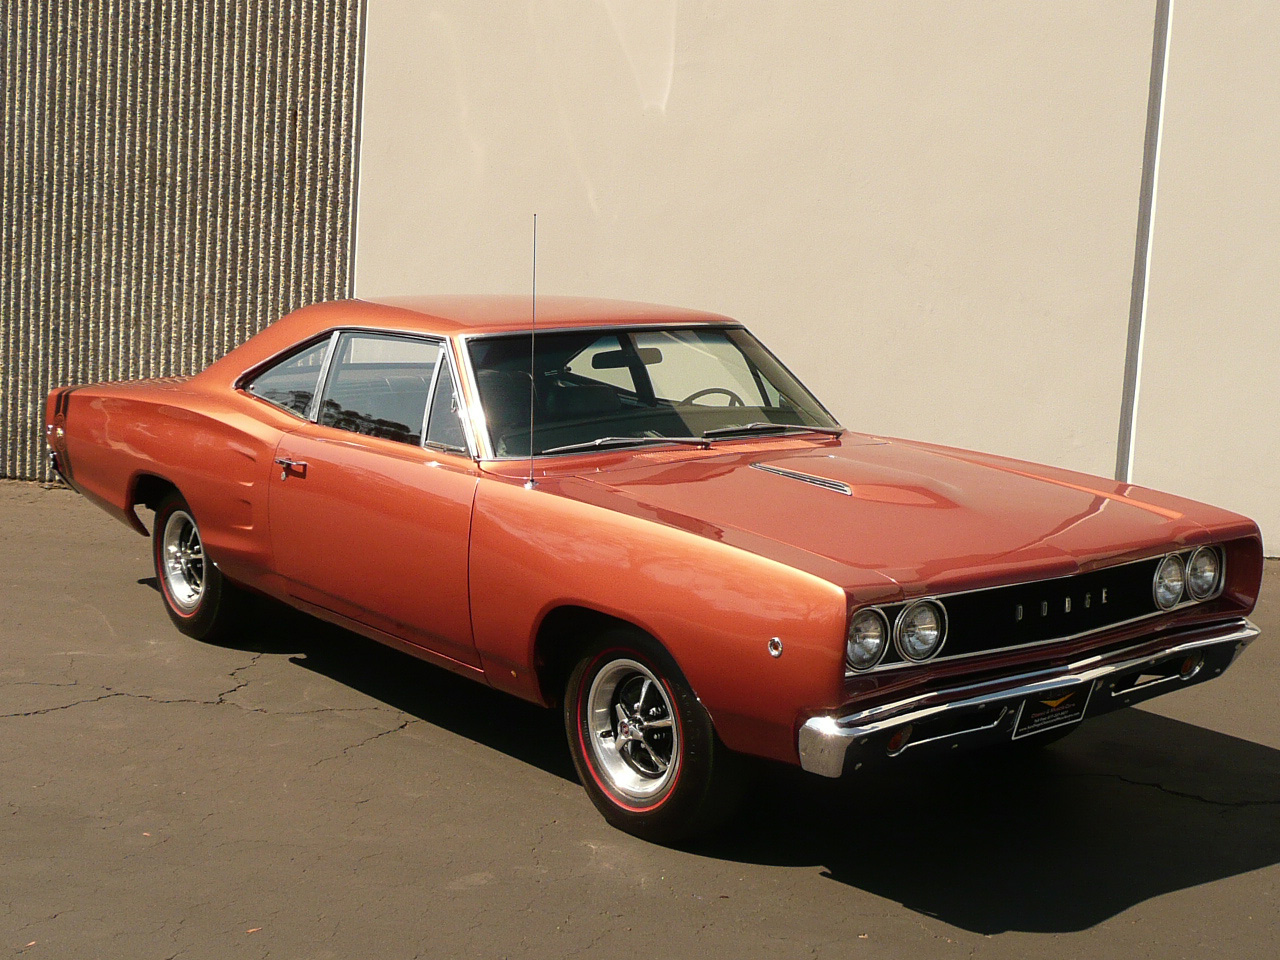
point(286, 465)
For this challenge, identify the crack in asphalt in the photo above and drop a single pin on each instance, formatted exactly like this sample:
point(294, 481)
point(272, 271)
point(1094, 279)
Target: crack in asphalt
point(377, 736)
point(65, 706)
point(220, 701)
point(1187, 795)
point(233, 675)
point(181, 700)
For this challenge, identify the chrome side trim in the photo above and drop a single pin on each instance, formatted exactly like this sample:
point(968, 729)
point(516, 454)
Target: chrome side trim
point(824, 741)
point(835, 486)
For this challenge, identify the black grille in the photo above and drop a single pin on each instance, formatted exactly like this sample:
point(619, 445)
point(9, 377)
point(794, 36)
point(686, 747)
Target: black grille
point(1029, 613)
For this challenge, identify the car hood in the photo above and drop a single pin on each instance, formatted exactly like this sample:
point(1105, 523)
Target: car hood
point(863, 512)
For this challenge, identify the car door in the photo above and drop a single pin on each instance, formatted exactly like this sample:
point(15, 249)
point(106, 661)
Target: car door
point(367, 521)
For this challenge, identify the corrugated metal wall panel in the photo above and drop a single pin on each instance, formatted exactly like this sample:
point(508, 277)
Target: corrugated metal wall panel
point(176, 175)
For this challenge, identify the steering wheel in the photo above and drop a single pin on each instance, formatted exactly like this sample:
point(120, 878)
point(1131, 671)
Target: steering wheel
point(734, 399)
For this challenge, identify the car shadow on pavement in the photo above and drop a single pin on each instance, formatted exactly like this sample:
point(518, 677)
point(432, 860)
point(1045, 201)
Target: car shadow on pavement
point(504, 723)
point(1129, 807)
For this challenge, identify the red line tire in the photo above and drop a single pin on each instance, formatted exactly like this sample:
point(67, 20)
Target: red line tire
point(200, 601)
point(644, 747)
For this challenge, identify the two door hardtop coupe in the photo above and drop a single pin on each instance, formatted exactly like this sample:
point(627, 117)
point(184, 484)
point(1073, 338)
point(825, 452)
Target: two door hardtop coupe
point(638, 514)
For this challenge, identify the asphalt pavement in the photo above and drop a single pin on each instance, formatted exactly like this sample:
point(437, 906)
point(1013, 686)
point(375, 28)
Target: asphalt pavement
point(305, 793)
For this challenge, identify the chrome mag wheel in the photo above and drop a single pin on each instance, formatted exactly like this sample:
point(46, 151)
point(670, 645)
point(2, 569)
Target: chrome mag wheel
point(631, 731)
point(182, 557)
point(642, 743)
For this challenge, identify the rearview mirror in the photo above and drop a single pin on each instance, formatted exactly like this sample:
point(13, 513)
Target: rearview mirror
point(614, 359)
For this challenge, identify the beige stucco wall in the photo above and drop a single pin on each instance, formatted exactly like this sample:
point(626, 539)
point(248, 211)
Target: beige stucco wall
point(927, 209)
point(1209, 400)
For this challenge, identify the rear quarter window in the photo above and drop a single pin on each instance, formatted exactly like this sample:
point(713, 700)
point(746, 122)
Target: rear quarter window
point(292, 382)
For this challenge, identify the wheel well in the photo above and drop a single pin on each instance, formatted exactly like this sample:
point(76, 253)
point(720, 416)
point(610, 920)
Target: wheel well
point(148, 491)
point(564, 633)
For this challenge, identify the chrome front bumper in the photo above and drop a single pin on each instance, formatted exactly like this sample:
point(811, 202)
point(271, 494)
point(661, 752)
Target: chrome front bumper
point(987, 711)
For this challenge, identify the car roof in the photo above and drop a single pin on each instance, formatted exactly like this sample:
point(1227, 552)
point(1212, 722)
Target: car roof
point(444, 316)
point(487, 313)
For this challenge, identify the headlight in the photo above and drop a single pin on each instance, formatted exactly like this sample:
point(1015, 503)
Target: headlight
point(868, 639)
point(920, 630)
point(1203, 572)
point(1171, 575)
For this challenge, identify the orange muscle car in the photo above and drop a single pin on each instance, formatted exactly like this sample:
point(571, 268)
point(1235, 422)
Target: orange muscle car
point(638, 514)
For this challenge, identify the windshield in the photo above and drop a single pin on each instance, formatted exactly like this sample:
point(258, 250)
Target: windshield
point(605, 389)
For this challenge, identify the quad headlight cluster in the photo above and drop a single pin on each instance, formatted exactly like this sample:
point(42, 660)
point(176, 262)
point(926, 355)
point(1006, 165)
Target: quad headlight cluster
point(917, 633)
point(917, 630)
point(1194, 576)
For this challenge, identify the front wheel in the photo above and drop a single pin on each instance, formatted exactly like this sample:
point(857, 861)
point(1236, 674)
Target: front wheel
point(198, 599)
point(643, 746)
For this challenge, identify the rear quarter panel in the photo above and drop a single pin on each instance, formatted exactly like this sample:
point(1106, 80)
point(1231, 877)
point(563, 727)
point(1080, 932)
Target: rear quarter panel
point(215, 446)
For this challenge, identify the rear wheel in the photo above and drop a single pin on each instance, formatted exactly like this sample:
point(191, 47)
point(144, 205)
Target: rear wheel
point(644, 747)
point(199, 600)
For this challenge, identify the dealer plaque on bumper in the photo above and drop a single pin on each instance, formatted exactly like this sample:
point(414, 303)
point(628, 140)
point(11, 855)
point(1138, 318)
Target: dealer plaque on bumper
point(1052, 710)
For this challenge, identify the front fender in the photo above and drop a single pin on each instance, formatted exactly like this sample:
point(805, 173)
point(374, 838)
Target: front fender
point(714, 607)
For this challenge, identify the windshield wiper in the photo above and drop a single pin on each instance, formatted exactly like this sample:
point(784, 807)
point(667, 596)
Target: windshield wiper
point(762, 427)
point(601, 442)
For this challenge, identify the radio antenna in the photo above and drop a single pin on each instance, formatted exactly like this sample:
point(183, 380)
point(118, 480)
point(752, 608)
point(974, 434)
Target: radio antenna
point(533, 327)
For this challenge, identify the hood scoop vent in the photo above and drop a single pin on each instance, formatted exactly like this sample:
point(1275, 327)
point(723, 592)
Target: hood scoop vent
point(835, 486)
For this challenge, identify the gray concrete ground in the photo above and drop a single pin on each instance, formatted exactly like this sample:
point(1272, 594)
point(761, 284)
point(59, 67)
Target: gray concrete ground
point(308, 794)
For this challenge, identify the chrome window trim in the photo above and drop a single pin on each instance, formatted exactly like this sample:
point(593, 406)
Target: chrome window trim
point(821, 406)
point(464, 408)
point(313, 411)
point(887, 667)
point(431, 395)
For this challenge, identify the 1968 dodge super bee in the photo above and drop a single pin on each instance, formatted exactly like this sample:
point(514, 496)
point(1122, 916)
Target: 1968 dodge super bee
point(639, 515)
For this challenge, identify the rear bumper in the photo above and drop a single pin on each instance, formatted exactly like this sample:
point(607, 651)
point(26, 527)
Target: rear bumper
point(988, 711)
point(55, 462)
